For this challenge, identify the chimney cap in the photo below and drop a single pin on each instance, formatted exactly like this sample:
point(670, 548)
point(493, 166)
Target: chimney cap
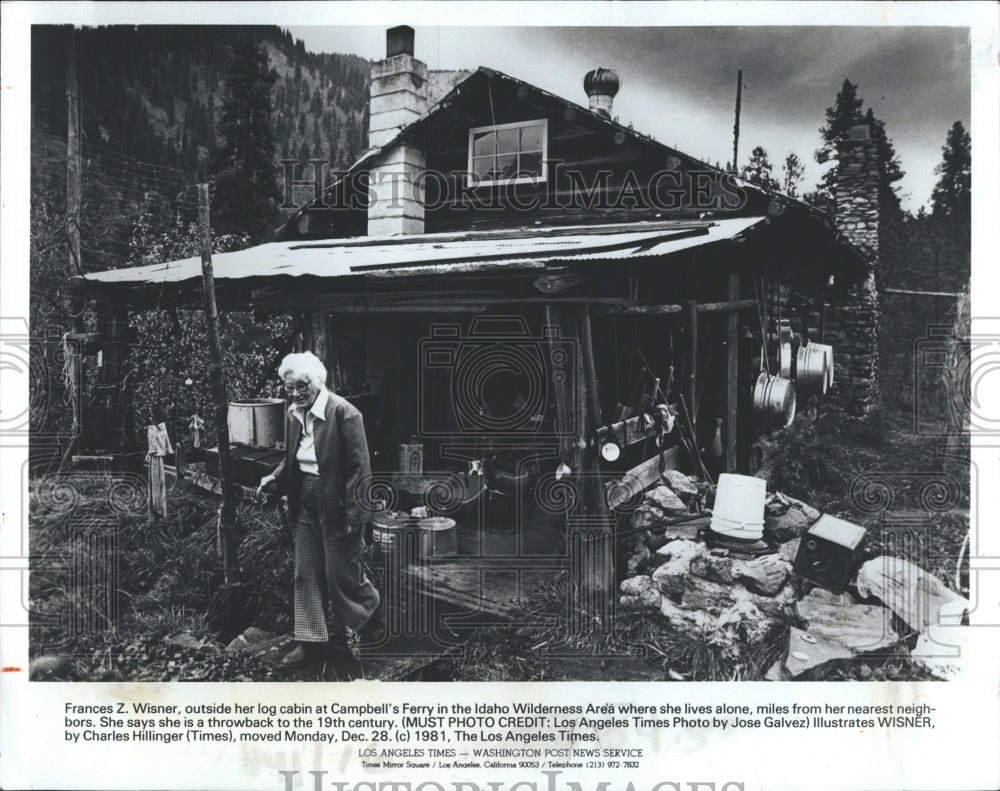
point(859, 132)
point(399, 41)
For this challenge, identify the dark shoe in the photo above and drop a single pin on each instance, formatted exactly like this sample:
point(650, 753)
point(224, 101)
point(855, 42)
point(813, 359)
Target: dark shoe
point(302, 654)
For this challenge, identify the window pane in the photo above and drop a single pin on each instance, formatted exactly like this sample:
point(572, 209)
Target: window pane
point(483, 143)
point(507, 140)
point(531, 138)
point(508, 166)
point(481, 166)
point(531, 164)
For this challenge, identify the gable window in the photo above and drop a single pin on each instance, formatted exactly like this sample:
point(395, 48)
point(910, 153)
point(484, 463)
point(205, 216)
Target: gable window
point(508, 153)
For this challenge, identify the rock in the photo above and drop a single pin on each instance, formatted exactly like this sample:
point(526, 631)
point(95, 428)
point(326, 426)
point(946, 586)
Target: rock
point(943, 649)
point(680, 484)
point(713, 567)
point(655, 541)
point(837, 628)
point(183, 640)
point(250, 639)
point(647, 515)
point(912, 593)
point(640, 554)
point(53, 668)
point(789, 550)
point(639, 593)
point(786, 523)
point(669, 577)
point(764, 575)
point(776, 672)
point(666, 501)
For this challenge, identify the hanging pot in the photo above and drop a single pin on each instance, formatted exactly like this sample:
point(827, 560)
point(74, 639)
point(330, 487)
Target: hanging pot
point(814, 368)
point(773, 401)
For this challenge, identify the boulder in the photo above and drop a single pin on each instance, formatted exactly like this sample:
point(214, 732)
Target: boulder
point(714, 567)
point(765, 575)
point(785, 522)
point(912, 593)
point(53, 668)
point(669, 577)
point(680, 484)
point(639, 555)
point(837, 628)
point(668, 502)
point(647, 515)
point(183, 640)
point(639, 593)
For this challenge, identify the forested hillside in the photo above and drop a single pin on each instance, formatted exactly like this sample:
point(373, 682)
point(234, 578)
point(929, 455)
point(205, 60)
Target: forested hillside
point(153, 93)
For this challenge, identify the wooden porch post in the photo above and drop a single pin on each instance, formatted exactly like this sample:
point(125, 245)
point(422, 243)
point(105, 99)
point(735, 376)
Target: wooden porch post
point(590, 528)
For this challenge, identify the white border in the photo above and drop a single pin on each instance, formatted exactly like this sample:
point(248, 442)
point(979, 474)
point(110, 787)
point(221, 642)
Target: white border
point(959, 754)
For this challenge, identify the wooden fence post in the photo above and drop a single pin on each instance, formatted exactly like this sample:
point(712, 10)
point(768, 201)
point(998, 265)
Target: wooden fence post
point(227, 520)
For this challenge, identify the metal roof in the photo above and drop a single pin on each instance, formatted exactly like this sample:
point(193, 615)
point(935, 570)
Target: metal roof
point(396, 256)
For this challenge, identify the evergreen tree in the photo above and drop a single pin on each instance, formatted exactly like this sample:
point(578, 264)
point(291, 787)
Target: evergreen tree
point(243, 162)
point(952, 196)
point(759, 170)
point(846, 113)
point(793, 173)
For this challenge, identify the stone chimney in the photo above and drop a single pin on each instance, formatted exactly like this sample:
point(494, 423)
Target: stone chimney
point(398, 97)
point(854, 318)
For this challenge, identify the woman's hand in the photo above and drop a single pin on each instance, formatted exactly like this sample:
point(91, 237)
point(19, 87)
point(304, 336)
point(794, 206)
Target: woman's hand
point(268, 485)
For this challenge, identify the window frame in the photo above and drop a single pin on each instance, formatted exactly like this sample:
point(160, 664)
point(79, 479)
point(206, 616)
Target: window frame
point(541, 178)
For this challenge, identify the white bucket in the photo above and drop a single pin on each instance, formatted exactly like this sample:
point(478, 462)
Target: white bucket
point(739, 506)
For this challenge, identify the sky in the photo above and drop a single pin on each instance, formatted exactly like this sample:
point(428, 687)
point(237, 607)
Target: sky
point(679, 83)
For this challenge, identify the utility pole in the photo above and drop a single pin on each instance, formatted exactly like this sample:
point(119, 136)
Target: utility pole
point(226, 536)
point(736, 125)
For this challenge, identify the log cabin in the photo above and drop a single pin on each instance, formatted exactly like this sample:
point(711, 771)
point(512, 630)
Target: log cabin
point(552, 306)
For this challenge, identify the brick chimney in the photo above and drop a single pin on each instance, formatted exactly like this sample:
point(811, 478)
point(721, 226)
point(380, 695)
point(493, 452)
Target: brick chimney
point(854, 319)
point(398, 97)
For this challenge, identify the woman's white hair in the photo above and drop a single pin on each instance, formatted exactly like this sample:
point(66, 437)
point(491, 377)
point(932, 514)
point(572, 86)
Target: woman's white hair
point(306, 365)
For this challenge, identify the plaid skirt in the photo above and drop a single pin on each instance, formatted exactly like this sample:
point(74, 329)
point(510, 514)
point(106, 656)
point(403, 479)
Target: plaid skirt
point(330, 580)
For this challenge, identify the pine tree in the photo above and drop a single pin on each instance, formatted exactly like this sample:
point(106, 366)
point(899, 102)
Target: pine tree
point(793, 173)
point(759, 170)
point(846, 113)
point(952, 196)
point(243, 161)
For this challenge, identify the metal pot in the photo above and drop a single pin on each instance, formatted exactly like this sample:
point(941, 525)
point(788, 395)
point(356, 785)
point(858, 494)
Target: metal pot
point(438, 537)
point(774, 401)
point(257, 421)
point(814, 368)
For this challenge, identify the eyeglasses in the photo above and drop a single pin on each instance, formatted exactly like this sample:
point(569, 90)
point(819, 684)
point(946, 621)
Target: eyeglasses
point(298, 387)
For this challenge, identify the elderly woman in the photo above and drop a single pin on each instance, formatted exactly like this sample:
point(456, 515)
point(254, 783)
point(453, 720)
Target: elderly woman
point(323, 473)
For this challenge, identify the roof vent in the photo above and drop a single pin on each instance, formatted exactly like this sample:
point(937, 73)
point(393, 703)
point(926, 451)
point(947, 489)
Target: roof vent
point(602, 86)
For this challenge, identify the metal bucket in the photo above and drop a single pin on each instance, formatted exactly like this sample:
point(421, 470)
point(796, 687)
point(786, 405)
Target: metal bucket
point(411, 458)
point(774, 401)
point(438, 537)
point(257, 421)
point(389, 532)
point(739, 506)
point(814, 368)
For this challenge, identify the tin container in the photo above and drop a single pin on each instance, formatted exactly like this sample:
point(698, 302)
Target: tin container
point(411, 458)
point(438, 537)
point(773, 401)
point(814, 368)
point(259, 422)
point(391, 531)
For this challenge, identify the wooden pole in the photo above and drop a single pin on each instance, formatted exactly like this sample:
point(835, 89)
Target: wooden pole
point(732, 376)
point(73, 189)
point(736, 124)
point(226, 544)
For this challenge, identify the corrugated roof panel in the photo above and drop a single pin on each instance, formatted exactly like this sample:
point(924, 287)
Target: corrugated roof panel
point(392, 256)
